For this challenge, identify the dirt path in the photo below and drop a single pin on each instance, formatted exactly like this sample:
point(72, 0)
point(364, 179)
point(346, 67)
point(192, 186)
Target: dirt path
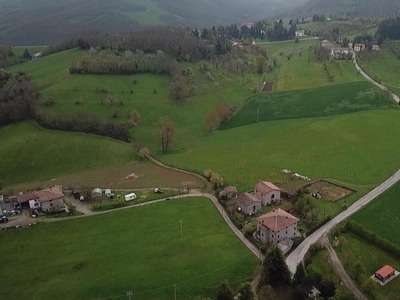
point(337, 265)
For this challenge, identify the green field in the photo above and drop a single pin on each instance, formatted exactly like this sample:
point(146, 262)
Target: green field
point(107, 255)
point(382, 216)
point(325, 101)
point(19, 50)
point(357, 250)
point(347, 148)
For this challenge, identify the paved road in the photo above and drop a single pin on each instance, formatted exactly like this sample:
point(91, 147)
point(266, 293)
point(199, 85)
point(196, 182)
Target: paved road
point(288, 41)
point(382, 87)
point(298, 254)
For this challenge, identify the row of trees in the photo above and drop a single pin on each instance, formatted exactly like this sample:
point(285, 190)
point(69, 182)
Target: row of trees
point(388, 29)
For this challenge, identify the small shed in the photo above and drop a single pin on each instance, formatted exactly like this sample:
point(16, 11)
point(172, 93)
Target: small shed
point(385, 273)
point(97, 192)
point(107, 192)
point(229, 192)
point(249, 204)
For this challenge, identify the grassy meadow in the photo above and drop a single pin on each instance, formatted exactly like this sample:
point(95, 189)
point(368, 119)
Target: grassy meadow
point(123, 251)
point(347, 148)
point(372, 258)
point(382, 216)
point(319, 102)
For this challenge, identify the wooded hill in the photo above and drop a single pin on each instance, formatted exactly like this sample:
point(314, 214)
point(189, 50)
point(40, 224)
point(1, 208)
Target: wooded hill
point(353, 8)
point(43, 22)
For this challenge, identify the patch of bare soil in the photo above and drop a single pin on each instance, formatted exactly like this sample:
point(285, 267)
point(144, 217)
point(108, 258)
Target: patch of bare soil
point(328, 191)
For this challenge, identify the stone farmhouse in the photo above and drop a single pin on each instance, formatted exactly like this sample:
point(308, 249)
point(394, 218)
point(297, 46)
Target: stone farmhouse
point(278, 227)
point(326, 44)
point(48, 200)
point(375, 48)
point(299, 33)
point(359, 47)
point(340, 52)
point(249, 204)
point(229, 192)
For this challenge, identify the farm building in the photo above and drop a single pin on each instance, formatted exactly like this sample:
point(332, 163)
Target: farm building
point(276, 226)
point(375, 48)
point(249, 204)
point(359, 47)
point(97, 192)
point(267, 192)
point(51, 199)
point(340, 52)
point(229, 192)
point(326, 44)
point(299, 33)
point(385, 273)
point(26, 197)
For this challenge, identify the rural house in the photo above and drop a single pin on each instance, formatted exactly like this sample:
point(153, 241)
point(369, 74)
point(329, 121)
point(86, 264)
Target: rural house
point(385, 273)
point(326, 44)
point(26, 197)
point(340, 52)
point(267, 192)
point(359, 47)
point(299, 33)
point(51, 199)
point(276, 226)
point(375, 48)
point(229, 192)
point(249, 204)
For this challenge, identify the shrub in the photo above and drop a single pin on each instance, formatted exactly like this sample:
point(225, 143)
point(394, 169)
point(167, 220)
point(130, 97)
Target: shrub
point(49, 100)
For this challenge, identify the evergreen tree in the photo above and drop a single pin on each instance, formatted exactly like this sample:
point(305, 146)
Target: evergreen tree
point(299, 275)
point(26, 54)
point(224, 292)
point(246, 292)
point(275, 268)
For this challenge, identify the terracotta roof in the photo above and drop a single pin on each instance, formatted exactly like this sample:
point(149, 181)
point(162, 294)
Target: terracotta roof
point(52, 193)
point(265, 187)
point(385, 271)
point(248, 199)
point(25, 197)
point(277, 219)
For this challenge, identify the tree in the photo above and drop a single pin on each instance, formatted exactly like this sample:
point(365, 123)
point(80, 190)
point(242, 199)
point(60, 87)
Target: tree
point(224, 292)
point(260, 64)
point(327, 289)
point(359, 270)
point(300, 292)
point(343, 295)
point(178, 88)
point(216, 180)
point(245, 292)
point(370, 286)
point(208, 173)
point(165, 130)
point(144, 153)
point(299, 275)
point(26, 55)
point(275, 268)
point(49, 100)
point(224, 111)
point(211, 120)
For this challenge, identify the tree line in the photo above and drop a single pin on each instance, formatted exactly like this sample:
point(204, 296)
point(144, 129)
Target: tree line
point(18, 103)
point(388, 29)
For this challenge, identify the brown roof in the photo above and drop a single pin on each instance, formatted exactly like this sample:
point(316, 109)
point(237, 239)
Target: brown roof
point(248, 199)
point(385, 271)
point(25, 197)
point(277, 219)
point(52, 193)
point(265, 187)
point(230, 189)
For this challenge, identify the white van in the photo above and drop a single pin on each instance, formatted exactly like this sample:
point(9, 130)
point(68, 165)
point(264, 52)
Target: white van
point(130, 197)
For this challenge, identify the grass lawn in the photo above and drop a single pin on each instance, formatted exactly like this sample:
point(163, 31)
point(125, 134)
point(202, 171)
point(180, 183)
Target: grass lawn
point(330, 100)
point(347, 148)
point(357, 250)
point(304, 72)
point(107, 255)
point(382, 216)
point(33, 157)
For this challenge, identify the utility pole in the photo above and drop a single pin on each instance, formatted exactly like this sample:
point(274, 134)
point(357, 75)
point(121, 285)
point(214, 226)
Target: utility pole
point(129, 294)
point(181, 222)
point(258, 115)
point(175, 291)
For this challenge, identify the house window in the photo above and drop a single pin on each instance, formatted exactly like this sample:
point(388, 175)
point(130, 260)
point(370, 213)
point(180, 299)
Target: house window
point(278, 236)
point(51, 204)
point(286, 232)
point(273, 196)
point(272, 236)
point(36, 204)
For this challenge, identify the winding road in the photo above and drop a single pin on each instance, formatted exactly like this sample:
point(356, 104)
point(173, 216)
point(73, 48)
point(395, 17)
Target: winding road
point(298, 254)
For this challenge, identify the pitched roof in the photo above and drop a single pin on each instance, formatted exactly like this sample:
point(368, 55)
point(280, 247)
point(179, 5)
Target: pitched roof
point(385, 271)
point(52, 193)
point(248, 199)
point(265, 187)
point(25, 197)
point(229, 189)
point(277, 219)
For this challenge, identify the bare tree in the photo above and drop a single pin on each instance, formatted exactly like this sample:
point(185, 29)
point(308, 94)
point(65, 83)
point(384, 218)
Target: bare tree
point(212, 120)
point(165, 130)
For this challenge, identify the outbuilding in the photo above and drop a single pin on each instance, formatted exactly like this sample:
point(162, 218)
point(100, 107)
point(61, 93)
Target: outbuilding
point(97, 192)
point(385, 273)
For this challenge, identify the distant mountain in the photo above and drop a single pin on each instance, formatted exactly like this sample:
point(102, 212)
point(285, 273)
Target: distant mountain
point(39, 22)
point(354, 8)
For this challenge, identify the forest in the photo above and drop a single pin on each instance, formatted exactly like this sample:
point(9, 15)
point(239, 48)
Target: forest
point(388, 29)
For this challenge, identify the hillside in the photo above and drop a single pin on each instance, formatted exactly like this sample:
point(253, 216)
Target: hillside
point(356, 8)
point(22, 24)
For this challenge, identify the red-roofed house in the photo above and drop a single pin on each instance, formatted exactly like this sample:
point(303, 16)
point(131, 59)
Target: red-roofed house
point(49, 200)
point(25, 197)
point(249, 204)
point(267, 192)
point(385, 273)
point(276, 226)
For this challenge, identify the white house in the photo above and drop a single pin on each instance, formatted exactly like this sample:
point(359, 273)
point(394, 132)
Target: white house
point(340, 52)
point(276, 226)
point(267, 192)
point(299, 33)
point(48, 200)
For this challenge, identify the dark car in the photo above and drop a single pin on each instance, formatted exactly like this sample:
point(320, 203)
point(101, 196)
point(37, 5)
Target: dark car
point(3, 219)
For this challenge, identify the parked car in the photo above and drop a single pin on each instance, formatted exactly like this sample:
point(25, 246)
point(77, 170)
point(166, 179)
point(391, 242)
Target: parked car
point(130, 197)
point(158, 190)
point(3, 219)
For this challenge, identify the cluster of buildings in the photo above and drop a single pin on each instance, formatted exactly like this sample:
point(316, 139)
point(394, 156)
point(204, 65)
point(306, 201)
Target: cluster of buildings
point(278, 226)
point(345, 52)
